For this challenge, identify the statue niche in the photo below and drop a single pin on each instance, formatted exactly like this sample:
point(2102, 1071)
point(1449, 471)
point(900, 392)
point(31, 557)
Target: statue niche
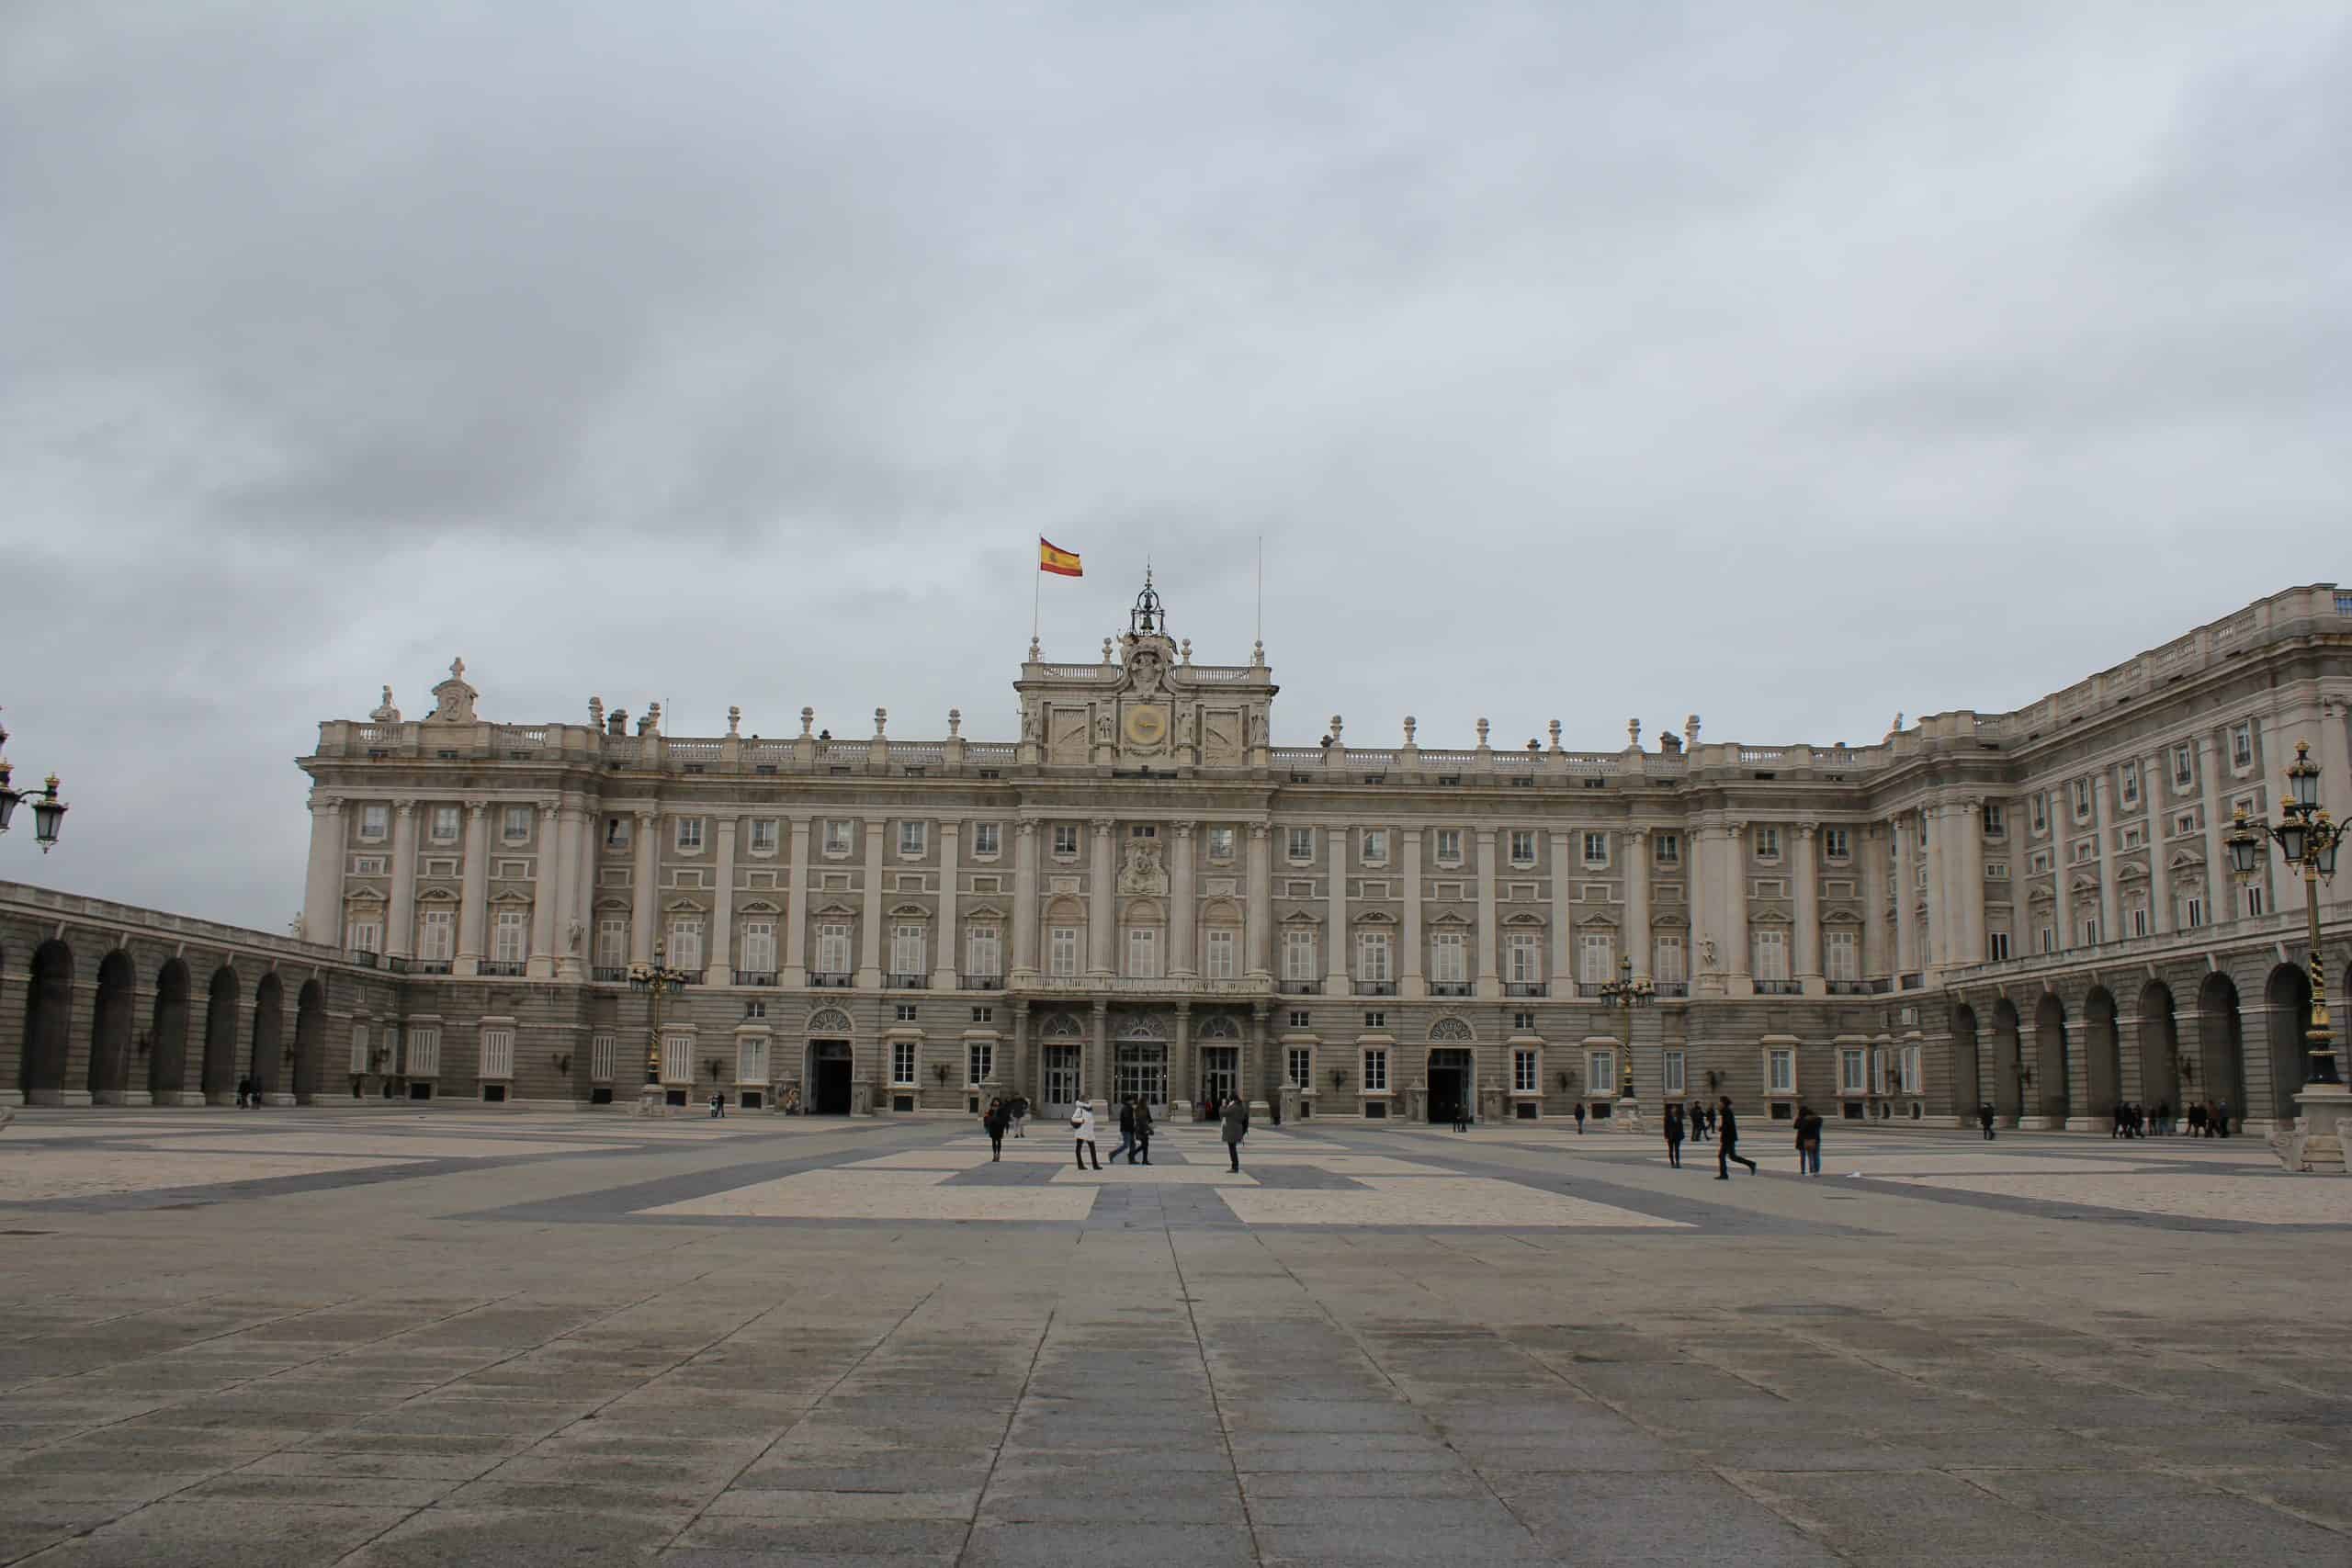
point(1144, 874)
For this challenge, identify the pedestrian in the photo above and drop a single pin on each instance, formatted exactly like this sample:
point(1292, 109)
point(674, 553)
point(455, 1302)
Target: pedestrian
point(2221, 1120)
point(718, 1105)
point(1237, 1127)
point(1462, 1114)
point(1808, 1140)
point(2197, 1120)
point(1984, 1119)
point(1673, 1134)
point(1020, 1115)
point(1127, 1132)
point(2163, 1119)
point(1081, 1123)
point(1142, 1155)
point(993, 1123)
point(245, 1095)
point(1727, 1142)
point(1579, 1118)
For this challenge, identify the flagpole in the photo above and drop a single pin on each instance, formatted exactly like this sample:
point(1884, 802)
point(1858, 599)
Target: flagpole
point(1036, 601)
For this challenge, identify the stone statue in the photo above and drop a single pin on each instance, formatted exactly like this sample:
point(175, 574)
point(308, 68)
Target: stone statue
point(1105, 734)
point(1256, 726)
point(573, 936)
point(1707, 951)
point(385, 712)
point(1143, 874)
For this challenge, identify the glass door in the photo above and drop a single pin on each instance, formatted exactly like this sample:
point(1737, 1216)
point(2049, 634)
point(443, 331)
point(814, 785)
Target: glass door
point(1062, 1083)
point(1141, 1070)
point(1220, 1072)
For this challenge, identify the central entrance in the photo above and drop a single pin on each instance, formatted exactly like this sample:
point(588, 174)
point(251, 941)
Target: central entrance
point(1061, 1077)
point(1450, 1086)
point(829, 1077)
point(1220, 1072)
point(1141, 1070)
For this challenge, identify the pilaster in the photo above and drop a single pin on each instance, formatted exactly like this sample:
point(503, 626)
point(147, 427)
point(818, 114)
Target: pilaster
point(473, 910)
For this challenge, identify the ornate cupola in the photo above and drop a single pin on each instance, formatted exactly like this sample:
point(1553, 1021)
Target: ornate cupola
point(1150, 614)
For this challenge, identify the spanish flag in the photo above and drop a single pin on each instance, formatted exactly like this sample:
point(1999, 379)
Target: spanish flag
point(1061, 562)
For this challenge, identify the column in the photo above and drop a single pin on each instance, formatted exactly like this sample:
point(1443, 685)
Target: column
point(1184, 919)
point(1102, 915)
point(2275, 750)
point(1335, 963)
point(2061, 886)
point(1697, 899)
point(1739, 978)
point(795, 910)
point(644, 889)
point(946, 974)
point(870, 906)
point(1808, 952)
point(1907, 936)
point(1556, 971)
point(718, 968)
point(2102, 815)
point(1412, 982)
point(1937, 936)
point(1024, 896)
point(473, 912)
point(1871, 854)
point(2155, 787)
point(400, 941)
point(1489, 979)
point(1262, 900)
point(1179, 1043)
point(1098, 1071)
point(2220, 893)
point(1968, 831)
point(575, 879)
point(584, 887)
point(546, 894)
point(1637, 911)
point(323, 884)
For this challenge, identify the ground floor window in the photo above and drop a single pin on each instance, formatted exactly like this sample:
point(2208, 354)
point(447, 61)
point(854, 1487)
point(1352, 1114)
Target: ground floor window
point(359, 1047)
point(1850, 1072)
point(980, 1063)
point(1782, 1077)
point(902, 1061)
point(601, 1049)
point(1301, 1067)
point(1677, 1072)
point(1600, 1072)
point(1526, 1073)
point(1911, 1074)
point(1375, 1070)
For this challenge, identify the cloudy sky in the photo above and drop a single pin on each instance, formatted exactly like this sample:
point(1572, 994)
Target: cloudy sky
point(1791, 365)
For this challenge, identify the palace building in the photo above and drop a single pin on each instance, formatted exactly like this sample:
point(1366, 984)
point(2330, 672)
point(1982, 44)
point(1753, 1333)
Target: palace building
point(1140, 893)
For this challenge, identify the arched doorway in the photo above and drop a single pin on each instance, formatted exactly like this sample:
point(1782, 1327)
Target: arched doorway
point(2220, 1053)
point(48, 1024)
point(310, 1041)
point(2286, 1021)
point(2159, 1049)
point(168, 1050)
point(2102, 1053)
point(221, 1038)
point(1061, 1055)
point(1965, 1092)
point(832, 1063)
point(111, 1030)
point(2008, 1064)
point(268, 1057)
point(2050, 1061)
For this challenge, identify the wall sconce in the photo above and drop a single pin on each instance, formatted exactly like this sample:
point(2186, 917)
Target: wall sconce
point(146, 1040)
point(1339, 1078)
point(1566, 1082)
point(563, 1064)
point(712, 1063)
point(939, 1071)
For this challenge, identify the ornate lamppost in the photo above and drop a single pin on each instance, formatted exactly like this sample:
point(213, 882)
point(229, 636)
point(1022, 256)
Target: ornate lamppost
point(1625, 993)
point(2308, 840)
point(48, 812)
point(659, 982)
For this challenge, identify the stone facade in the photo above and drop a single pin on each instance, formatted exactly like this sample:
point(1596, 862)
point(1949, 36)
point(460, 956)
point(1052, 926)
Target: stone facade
point(1141, 893)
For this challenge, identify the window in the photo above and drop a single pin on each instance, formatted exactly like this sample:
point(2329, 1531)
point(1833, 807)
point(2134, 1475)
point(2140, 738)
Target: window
point(832, 948)
point(2130, 784)
point(1376, 1021)
point(1524, 959)
point(375, 820)
point(1667, 963)
point(445, 824)
point(516, 829)
point(985, 838)
point(1913, 1080)
point(359, 1048)
point(1065, 838)
point(1772, 958)
point(1300, 1017)
point(1372, 956)
point(2139, 919)
point(1302, 844)
point(511, 937)
point(2086, 848)
point(1143, 830)
point(1299, 1066)
point(914, 837)
point(2049, 939)
point(2242, 745)
point(2042, 813)
point(1375, 846)
point(1833, 843)
point(2131, 839)
point(903, 1062)
point(984, 950)
point(2038, 861)
point(759, 947)
point(1523, 1023)
point(601, 1051)
point(1375, 1071)
point(616, 832)
point(755, 1009)
point(2184, 824)
point(612, 942)
point(2089, 932)
point(1840, 956)
point(2254, 898)
point(763, 835)
point(980, 1063)
point(1996, 946)
point(1526, 1074)
point(364, 933)
point(2082, 798)
point(1851, 1079)
point(1782, 1067)
point(1522, 846)
point(1446, 959)
point(423, 1052)
point(1996, 819)
point(2184, 767)
point(1596, 958)
point(1298, 956)
point(1143, 952)
point(906, 946)
point(1220, 955)
point(1449, 846)
point(685, 941)
point(1767, 843)
point(690, 835)
point(1666, 849)
point(1599, 1073)
point(1061, 951)
point(903, 1011)
point(984, 1015)
point(837, 838)
point(1677, 1072)
point(436, 936)
point(1220, 843)
point(497, 1053)
point(2192, 911)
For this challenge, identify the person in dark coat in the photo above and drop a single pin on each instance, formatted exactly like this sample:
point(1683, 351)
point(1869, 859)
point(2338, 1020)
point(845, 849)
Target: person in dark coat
point(1674, 1135)
point(1127, 1132)
point(2221, 1120)
point(245, 1094)
point(1579, 1118)
point(1142, 1152)
point(1984, 1119)
point(1808, 1140)
point(1727, 1142)
point(2196, 1121)
point(994, 1123)
point(1236, 1128)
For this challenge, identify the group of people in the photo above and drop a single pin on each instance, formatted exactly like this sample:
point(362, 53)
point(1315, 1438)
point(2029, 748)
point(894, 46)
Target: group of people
point(1135, 1126)
point(1723, 1122)
point(1004, 1116)
point(2131, 1120)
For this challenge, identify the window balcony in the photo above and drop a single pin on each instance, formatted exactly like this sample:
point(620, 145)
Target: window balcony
point(1913, 982)
point(503, 971)
point(428, 967)
point(1673, 988)
point(1588, 987)
point(609, 972)
point(1779, 989)
point(1526, 989)
point(1849, 987)
point(907, 982)
point(1376, 987)
point(362, 957)
point(1302, 987)
point(838, 980)
point(755, 976)
point(982, 982)
point(1450, 987)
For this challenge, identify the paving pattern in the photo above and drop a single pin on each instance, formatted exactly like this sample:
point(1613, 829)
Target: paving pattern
point(384, 1337)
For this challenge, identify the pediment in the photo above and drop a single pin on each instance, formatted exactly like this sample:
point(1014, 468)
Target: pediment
point(909, 912)
point(1841, 918)
point(1768, 918)
point(1301, 917)
point(984, 912)
point(512, 896)
point(1376, 918)
point(1599, 917)
point(1524, 919)
point(835, 908)
point(437, 895)
point(1449, 918)
point(686, 907)
point(363, 896)
point(761, 907)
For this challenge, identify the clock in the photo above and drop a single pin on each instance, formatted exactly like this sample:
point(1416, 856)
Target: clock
point(1147, 727)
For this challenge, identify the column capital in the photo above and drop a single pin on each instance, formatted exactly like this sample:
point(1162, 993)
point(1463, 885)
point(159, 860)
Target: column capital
point(547, 809)
point(1262, 829)
point(1026, 826)
point(1807, 829)
point(1734, 829)
point(644, 813)
point(403, 806)
point(477, 807)
point(1635, 832)
point(1184, 827)
point(1486, 835)
point(1103, 826)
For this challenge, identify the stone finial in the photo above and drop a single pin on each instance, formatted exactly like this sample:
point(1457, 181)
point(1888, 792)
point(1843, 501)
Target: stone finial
point(1410, 725)
point(1036, 652)
point(808, 722)
point(1482, 734)
point(1106, 650)
point(1258, 655)
point(955, 722)
point(385, 712)
point(457, 668)
point(1335, 729)
point(595, 713)
point(881, 721)
point(1185, 648)
point(734, 719)
point(1634, 733)
point(1555, 728)
point(1691, 730)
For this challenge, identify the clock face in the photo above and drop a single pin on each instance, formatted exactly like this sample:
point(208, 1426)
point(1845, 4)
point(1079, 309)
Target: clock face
point(1146, 726)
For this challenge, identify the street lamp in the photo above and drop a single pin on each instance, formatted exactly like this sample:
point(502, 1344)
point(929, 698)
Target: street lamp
point(2308, 840)
point(48, 812)
point(1625, 993)
point(659, 982)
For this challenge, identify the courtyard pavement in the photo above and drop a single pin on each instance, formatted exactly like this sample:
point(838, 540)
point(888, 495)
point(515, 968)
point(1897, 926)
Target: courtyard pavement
point(381, 1337)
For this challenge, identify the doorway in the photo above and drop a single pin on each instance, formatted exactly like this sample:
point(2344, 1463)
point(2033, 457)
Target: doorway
point(1063, 1083)
point(1139, 1069)
point(1220, 1073)
point(1450, 1086)
point(829, 1077)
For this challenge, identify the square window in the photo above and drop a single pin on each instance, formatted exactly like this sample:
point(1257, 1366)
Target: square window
point(616, 832)
point(1376, 1021)
point(445, 824)
point(1997, 820)
point(904, 1011)
point(914, 837)
point(1302, 844)
point(375, 820)
point(1524, 1023)
point(984, 837)
point(1221, 843)
point(1065, 838)
point(1522, 846)
point(1833, 843)
point(1300, 1017)
point(689, 835)
point(517, 827)
point(1767, 843)
point(763, 835)
point(1449, 846)
point(1375, 846)
point(1666, 849)
point(837, 838)
point(984, 1015)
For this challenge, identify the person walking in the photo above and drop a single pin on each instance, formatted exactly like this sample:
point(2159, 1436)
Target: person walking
point(1081, 1123)
point(245, 1094)
point(1579, 1118)
point(993, 1123)
point(1127, 1132)
point(1727, 1142)
point(1020, 1115)
point(1462, 1114)
point(1808, 1142)
point(2163, 1119)
point(1236, 1128)
point(1142, 1152)
point(1674, 1135)
point(2197, 1120)
point(1984, 1119)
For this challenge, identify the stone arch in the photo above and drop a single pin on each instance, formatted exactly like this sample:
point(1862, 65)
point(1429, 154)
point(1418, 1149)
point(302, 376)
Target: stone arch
point(2159, 1047)
point(831, 1022)
point(220, 1079)
point(1451, 1031)
point(2220, 1045)
point(1144, 1026)
point(310, 1041)
point(2051, 1060)
point(1061, 1026)
point(109, 1073)
point(1965, 1069)
point(267, 1062)
point(2286, 1021)
point(2102, 1052)
point(2008, 1081)
point(49, 1023)
point(1218, 1026)
point(167, 1054)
